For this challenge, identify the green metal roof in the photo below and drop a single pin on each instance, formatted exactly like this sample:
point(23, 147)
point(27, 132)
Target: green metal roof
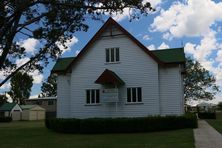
point(62, 64)
point(7, 106)
point(175, 55)
point(24, 107)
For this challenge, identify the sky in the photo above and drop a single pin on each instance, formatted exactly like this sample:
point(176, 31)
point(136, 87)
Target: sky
point(195, 25)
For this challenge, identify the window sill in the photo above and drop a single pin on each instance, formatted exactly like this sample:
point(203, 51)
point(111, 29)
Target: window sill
point(108, 63)
point(96, 104)
point(134, 103)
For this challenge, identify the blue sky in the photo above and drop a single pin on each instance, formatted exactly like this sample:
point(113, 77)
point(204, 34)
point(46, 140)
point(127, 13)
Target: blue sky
point(194, 24)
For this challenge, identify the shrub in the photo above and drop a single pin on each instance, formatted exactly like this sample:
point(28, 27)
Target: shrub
point(121, 125)
point(5, 119)
point(207, 115)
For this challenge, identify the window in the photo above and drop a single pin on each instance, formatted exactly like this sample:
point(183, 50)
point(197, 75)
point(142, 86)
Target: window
point(39, 102)
point(92, 96)
point(50, 102)
point(134, 94)
point(112, 55)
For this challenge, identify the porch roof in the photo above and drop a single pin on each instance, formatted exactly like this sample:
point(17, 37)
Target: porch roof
point(109, 77)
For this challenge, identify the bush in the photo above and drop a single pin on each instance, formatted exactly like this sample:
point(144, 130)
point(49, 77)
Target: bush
point(121, 125)
point(207, 115)
point(5, 119)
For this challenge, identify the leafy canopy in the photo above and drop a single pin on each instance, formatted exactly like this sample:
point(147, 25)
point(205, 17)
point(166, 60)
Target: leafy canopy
point(21, 84)
point(199, 83)
point(52, 22)
point(49, 88)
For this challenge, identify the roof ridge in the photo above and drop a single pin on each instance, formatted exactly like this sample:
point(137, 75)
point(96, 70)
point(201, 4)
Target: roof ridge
point(167, 49)
point(109, 22)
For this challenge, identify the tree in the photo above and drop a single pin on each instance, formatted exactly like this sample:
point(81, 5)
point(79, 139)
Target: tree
point(21, 84)
point(52, 22)
point(3, 99)
point(199, 83)
point(219, 105)
point(49, 88)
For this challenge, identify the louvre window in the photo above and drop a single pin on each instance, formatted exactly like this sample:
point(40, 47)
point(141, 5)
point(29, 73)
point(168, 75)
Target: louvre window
point(112, 55)
point(92, 96)
point(134, 94)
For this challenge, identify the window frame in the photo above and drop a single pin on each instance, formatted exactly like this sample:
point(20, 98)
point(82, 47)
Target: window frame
point(112, 55)
point(94, 96)
point(133, 96)
point(50, 102)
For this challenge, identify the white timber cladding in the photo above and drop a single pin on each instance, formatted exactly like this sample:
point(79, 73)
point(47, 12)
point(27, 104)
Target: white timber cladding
point(171, 94)
point(63, 96)
point(137, 69)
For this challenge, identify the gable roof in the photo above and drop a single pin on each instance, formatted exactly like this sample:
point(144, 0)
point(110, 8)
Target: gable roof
point(108, 23)
point(7, 106)
point(31, 107)
point(62, 64)
point(168, 56)
point(175, 55)
point(109, 77)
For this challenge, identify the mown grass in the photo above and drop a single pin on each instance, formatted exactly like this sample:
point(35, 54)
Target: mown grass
point(217, 124)
point(35, 135)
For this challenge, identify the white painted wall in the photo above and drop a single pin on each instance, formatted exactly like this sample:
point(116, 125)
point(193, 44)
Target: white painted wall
point(171, 91)
point(63, 96)
point(135, 68)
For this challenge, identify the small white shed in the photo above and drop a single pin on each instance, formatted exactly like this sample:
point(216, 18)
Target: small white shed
point(11, 110)
point(32, 112)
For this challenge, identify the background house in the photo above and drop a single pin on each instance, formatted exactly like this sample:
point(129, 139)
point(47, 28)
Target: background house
point(206, 107)
point(48, 103)
point(32, 112)
point(11, 110)
point(115, 75)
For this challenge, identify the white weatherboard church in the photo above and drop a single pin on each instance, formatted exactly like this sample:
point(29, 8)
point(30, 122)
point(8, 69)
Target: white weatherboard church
point(115, 75)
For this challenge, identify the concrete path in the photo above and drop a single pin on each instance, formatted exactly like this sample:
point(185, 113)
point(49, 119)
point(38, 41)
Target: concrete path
point(206, 136)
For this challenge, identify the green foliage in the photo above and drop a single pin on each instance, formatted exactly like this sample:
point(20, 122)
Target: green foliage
point(21, 85)
point(5, 119)
point(52, 22)
point(3, 99)
point(219, 105)
point(207, 115)
point(121, 125)
point(199, 83)
point(49, 88)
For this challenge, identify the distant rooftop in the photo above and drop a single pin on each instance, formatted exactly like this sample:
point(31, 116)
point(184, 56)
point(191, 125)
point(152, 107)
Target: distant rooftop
point(42, 98)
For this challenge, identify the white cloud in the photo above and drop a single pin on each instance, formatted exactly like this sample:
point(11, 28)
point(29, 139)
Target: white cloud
point(126, 11)
point(154, 3)
point(163, 46)
point(69, 44)
point(190, 18)
point(33, 96)
point(20, 62)
point(151, 47)
point(121, 16)
point(207, 45)
point(37, 76)
point(219, 56)
point(146, 37)
point(29, 44)
point(77, 52)
point(6, 86)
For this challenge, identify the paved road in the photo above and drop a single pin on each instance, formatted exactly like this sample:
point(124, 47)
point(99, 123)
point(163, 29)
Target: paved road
point(206, 136)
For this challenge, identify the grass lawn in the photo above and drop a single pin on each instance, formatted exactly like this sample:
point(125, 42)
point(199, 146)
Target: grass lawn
point(217, 124)
point(34, 134)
